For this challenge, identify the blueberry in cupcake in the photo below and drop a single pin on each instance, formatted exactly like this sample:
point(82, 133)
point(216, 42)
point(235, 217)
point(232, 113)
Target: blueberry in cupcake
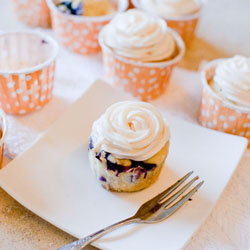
point(128, 146)
point(74, 7)
point(87, 7)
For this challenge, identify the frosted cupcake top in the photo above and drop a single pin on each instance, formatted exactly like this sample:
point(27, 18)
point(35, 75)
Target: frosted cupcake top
point(139, 36)
point(232, 76)
point(130, 130)
point(171, 8)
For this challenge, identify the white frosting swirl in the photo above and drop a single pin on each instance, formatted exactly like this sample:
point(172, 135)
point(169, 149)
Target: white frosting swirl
point(171, 8)
point(130, 130)
point(140, 36)
point(233, 78)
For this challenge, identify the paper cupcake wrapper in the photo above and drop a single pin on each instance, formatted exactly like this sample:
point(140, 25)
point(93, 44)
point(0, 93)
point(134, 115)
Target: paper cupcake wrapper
point(28, 89)
point(3, 131)
point(185, 28)
point(145, 81)
point(130, 4)
point(79, 33)
point(25, 93)
point(218, 114)
point(33, 13)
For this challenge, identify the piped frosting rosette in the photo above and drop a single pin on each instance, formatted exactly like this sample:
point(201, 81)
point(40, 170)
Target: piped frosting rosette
point(140, 37)
point(232, 76)
point(130, 130)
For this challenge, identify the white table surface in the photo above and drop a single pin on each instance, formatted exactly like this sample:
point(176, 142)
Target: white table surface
point(223, 30)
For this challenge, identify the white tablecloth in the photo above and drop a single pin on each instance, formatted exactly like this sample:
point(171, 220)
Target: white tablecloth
point(228, 227)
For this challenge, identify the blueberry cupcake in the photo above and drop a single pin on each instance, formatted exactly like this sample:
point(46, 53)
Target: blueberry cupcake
point(128, 146)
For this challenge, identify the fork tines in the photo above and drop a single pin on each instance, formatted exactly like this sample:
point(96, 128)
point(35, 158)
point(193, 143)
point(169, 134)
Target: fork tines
point(167, 202)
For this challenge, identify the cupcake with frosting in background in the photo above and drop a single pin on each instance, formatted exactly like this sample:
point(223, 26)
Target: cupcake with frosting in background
point(180, 15)
point(139, 53)
point(77, 23)
point(128, 146)
point(225, 102)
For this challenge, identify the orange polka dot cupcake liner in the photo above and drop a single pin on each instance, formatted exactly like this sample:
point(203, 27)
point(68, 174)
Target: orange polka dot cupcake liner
point(146, 81)
point(26, 90)
point(185, 27)
point(32, 12)
point(25, 93)
point(79, 33)
point(219, 114)
point(3, 132)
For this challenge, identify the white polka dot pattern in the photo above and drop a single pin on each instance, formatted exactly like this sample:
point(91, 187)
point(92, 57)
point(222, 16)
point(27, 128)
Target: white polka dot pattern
point(141, 81)
point(80, 34)
point(28, 92)
point(186, 28)
point(33, 13)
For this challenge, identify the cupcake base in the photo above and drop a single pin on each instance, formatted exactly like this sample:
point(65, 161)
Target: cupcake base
point(124, 178)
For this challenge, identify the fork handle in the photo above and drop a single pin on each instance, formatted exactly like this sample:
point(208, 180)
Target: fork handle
point(80, 244)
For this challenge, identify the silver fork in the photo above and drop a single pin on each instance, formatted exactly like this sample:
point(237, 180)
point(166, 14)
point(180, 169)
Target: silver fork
point(157, 209)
